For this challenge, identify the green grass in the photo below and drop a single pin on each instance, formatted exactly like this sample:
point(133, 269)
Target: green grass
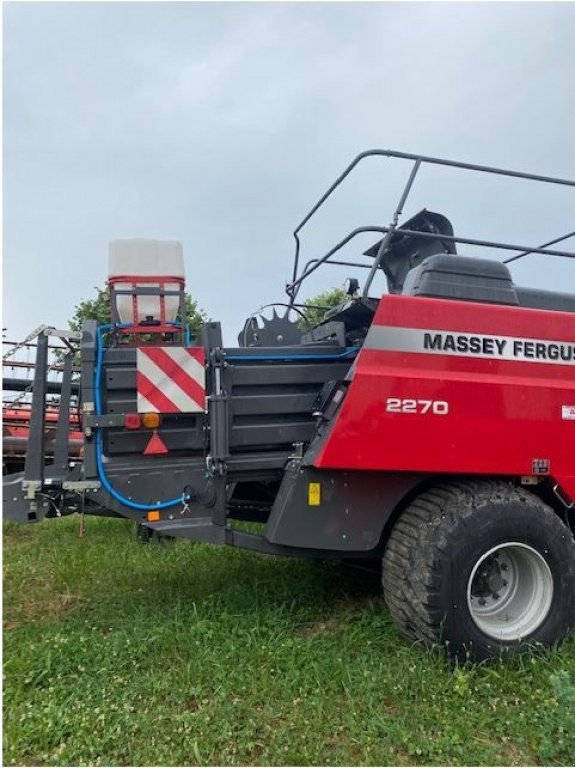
point(121, 654)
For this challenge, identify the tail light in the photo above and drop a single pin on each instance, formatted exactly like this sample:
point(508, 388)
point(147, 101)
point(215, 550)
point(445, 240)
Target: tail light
point(151, 420)
point(132, 421)
point(146, 420)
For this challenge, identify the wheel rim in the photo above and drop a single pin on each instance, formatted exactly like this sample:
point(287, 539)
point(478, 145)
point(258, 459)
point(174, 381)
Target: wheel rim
point(509, 592)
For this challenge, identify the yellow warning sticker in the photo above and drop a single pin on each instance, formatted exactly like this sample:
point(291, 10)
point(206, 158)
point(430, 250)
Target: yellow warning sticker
point(314, 494)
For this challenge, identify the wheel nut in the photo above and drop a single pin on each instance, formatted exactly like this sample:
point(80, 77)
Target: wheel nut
point(482, 601)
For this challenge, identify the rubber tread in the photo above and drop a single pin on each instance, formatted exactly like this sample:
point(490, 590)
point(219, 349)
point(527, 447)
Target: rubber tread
point(419, 542)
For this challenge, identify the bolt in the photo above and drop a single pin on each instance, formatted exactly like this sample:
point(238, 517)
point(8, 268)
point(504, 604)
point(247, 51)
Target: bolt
point(495, 595)
point(504, 567)
point(505, 583)
point(482, 601)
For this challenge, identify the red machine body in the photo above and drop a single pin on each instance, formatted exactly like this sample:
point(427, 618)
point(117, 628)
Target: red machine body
point(455, 387)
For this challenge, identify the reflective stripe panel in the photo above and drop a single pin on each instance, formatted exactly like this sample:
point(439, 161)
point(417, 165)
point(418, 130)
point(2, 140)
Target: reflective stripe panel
point(170, 380)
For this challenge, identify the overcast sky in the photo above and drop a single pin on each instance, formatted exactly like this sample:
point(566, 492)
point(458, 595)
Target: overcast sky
point(220, 124)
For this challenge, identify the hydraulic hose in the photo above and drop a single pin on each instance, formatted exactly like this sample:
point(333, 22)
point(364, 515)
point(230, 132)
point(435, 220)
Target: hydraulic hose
point(101, 329)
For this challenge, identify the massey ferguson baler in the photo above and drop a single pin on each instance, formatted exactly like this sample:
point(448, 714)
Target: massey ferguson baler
point(432, 427)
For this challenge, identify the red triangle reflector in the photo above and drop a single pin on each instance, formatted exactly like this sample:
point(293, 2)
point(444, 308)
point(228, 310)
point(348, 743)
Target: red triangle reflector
point(156, 445)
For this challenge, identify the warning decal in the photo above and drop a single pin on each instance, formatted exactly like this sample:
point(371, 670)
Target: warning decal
point(568, 412)
point(171, 379)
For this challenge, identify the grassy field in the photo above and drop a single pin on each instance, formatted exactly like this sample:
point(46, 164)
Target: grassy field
point(117, 653)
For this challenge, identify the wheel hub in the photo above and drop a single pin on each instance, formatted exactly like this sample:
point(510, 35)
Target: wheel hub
point(509, 592)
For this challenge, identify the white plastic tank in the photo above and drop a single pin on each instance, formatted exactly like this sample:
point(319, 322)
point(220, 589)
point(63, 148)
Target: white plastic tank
point(129, 260)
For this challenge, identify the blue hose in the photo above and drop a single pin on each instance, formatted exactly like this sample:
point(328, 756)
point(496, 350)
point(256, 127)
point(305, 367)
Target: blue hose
point(98, 405)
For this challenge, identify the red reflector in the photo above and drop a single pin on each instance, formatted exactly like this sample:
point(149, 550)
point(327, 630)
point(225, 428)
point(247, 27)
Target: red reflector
point(156, 445)
point(132, 420)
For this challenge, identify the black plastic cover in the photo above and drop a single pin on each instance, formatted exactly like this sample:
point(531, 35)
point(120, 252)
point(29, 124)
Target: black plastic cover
point(550, 300)
point(459, 277)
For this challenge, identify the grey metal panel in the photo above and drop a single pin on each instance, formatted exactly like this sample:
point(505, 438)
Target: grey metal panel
point(271, 434)
point(119, 356)
point(15, 506)
point(126, 403)
point(135, 441)
point(164, 464)
point(309, 373)
point(88, 357)
point(211, 335)
point(273, 404)
point(34, 462)
point(153, 479)
point(61, 450)
point(351, 516)
point(260, 466)
point(120, 377)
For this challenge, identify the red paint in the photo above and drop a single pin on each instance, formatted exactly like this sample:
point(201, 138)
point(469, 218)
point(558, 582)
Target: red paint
point(502, 413)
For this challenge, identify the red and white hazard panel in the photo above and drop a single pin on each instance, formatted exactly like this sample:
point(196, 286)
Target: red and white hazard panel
point(171, 379)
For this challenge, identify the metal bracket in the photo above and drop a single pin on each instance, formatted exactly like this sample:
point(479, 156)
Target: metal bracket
point(298, 451)
point(82, 485)
point(31, 488)
point(106, 420)
point(567, 504)
point(72, 335)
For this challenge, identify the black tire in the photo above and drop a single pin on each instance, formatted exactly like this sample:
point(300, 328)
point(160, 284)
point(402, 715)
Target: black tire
point(431, 573)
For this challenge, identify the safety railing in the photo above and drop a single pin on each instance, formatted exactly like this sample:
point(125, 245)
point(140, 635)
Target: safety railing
point(388, 231)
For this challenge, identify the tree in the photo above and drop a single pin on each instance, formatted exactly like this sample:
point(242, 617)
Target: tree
point(318, 305)
point(98, 309)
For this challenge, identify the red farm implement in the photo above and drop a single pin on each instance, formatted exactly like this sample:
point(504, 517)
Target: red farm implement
point(430, 425)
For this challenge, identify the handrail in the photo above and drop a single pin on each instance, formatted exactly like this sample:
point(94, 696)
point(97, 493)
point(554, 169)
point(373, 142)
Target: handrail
point(315, 263)
point(417, 160)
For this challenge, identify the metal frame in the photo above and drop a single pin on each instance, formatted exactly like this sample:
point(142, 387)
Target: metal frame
point(418, 160)
point(34, 465)
point(143, 290)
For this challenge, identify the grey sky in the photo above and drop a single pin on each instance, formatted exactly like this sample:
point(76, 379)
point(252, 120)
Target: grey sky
point(220, 124)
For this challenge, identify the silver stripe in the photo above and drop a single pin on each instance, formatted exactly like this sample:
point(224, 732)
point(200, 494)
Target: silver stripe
point(188, 363)
point(514, 348)
point(145, 406)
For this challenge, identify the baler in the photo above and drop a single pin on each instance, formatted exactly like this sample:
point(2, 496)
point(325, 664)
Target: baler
point(431, 428)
